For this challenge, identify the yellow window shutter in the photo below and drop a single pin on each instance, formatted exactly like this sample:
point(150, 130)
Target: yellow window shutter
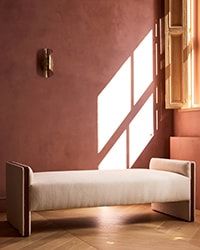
point(177, 53)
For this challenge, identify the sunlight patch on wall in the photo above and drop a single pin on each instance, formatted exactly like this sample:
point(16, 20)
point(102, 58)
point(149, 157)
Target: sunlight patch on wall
point(143, 66)
point(116, 157)
point(114, 103)
point(141, 130)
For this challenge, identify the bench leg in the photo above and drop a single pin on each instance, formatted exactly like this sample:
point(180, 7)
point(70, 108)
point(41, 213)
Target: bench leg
point(182, 209)
point(17, 197)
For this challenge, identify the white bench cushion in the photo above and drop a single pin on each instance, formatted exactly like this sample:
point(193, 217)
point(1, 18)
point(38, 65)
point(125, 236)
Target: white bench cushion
point(91, 188)
point(176, 166)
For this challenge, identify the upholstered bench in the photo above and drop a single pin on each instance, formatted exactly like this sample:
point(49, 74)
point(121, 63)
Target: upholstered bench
point(168, 185)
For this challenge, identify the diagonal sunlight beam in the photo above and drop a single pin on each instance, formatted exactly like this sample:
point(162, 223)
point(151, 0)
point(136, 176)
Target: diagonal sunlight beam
point(129, 92)
point(110, 161)
point(143, 66)
point(141, 130)
point(114, 103)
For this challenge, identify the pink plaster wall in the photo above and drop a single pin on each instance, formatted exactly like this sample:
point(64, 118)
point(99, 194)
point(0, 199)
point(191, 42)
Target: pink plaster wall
point(52, 123)
point(186, 123)
point(186, 143)
point(187, 148)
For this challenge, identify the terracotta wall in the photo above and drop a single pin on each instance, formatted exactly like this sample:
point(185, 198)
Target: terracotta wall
point(186, 123)
point(187, 148)
point(51, 123)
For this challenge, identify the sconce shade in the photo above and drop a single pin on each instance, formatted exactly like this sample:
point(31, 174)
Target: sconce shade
point(45, 62)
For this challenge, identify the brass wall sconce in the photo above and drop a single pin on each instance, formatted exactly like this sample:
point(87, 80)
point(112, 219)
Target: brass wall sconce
point(45, 62)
